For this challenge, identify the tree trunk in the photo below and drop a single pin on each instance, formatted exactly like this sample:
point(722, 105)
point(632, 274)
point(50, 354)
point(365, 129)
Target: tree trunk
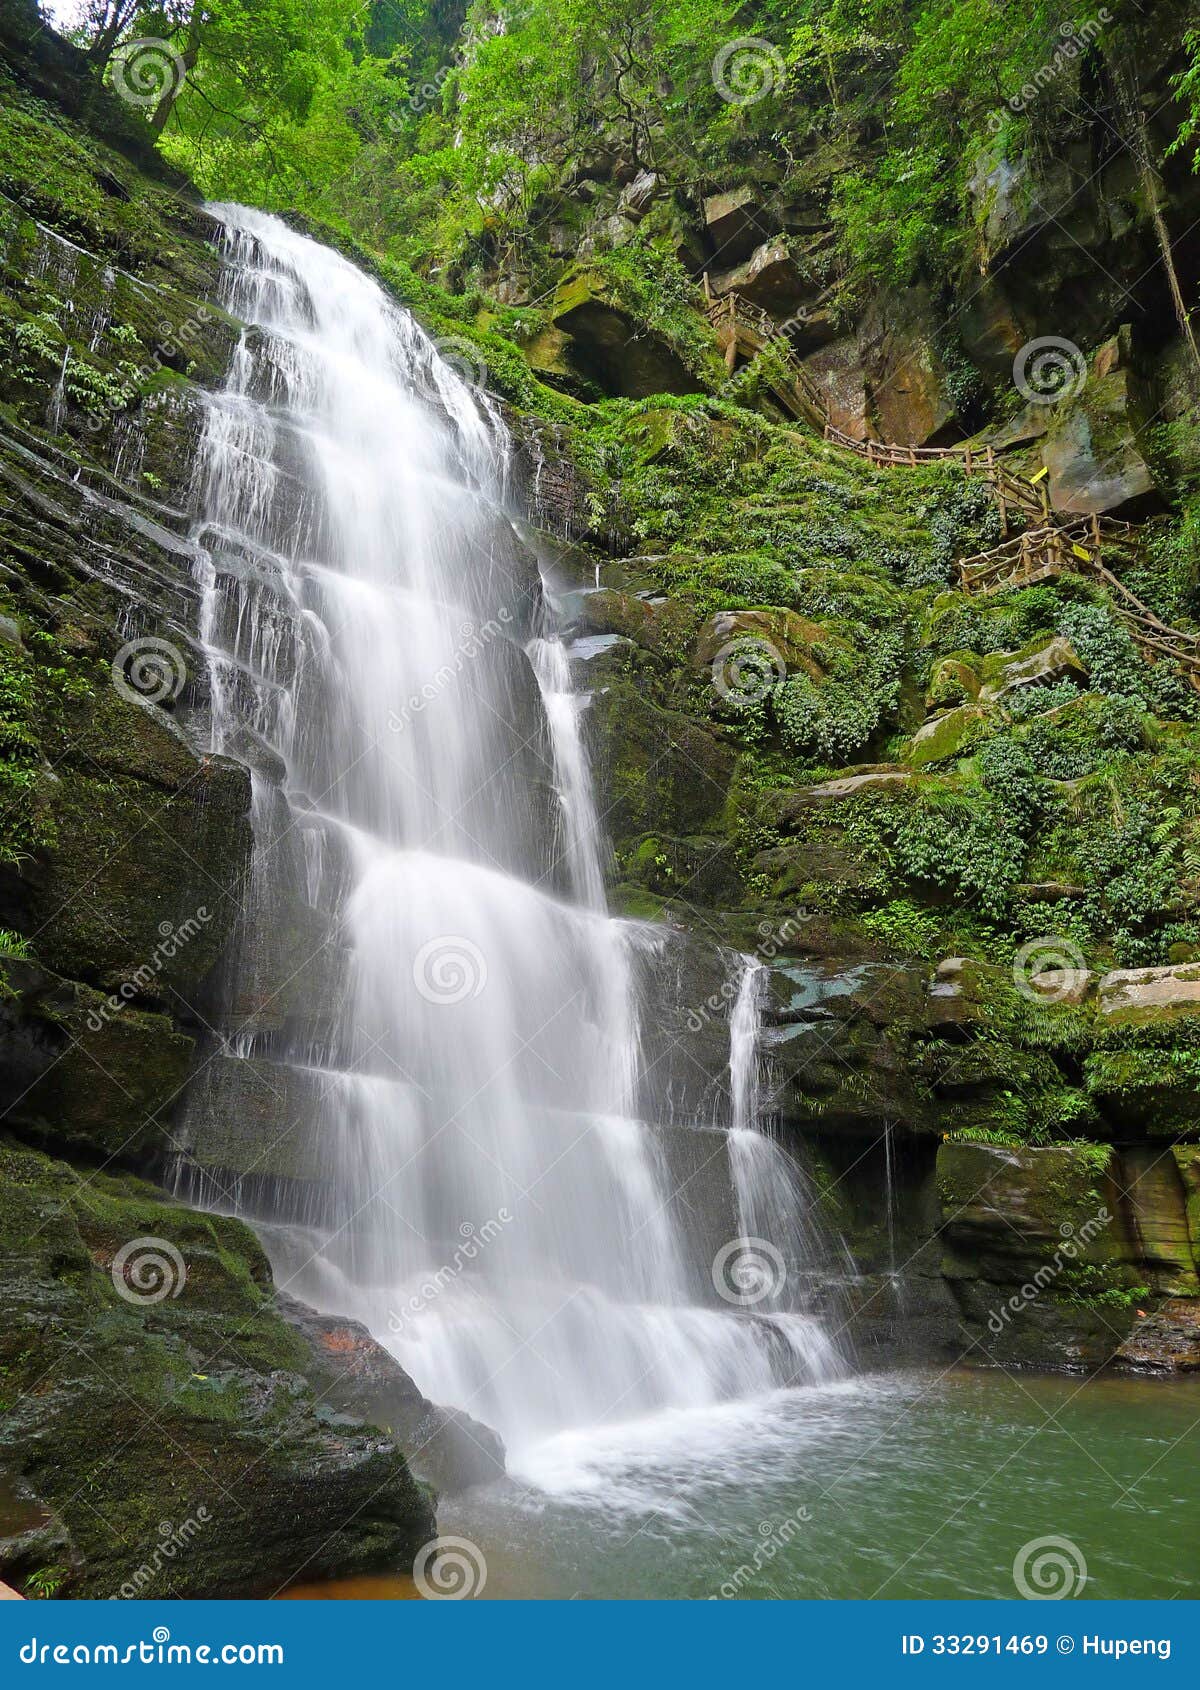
point(1151, 182)
point(187, 61)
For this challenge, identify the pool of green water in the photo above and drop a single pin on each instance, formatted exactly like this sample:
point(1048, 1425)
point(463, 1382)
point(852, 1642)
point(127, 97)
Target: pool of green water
point(902, 1485)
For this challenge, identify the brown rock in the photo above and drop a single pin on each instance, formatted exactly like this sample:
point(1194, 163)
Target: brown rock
point(1167, 1341)
point(769, 279)
point(908, 384)
point(734, 223)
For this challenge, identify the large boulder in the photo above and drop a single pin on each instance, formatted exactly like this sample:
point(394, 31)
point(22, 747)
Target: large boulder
point(1144, 997)
point(735, 222)
point(770, 278)
point(911, 389)
point(163, 1412)
point(353, 1371)
point(610, 347)
point(1092, 446)
point(784, 639)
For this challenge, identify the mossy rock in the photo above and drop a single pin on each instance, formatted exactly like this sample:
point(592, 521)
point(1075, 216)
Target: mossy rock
point(658, 769)
point(86, 1074)
point(699, 870)
point(953, 734)
point(610, 347)
point(148, 1378)
point(1038, 1252)
point(135, 866)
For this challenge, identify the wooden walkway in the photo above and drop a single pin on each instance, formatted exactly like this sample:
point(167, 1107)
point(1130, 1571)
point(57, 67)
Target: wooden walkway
point(748, 332)
point(1078, 548)
point(1053, 547)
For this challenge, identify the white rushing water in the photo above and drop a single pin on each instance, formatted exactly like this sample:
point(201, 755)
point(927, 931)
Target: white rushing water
point(427, 1075)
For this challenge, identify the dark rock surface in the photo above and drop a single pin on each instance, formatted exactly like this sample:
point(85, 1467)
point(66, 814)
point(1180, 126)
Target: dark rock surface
point(148, 1371)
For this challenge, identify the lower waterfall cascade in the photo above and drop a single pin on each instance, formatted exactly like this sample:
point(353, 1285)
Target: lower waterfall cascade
point(427, 1020)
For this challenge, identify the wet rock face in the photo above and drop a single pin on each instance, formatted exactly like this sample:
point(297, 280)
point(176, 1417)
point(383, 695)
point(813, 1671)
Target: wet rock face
point(151, 1383)
point(356, 1374)
point(123, 852)
point(87, 1073)
point(1167, 1341)
point(1059, 1248)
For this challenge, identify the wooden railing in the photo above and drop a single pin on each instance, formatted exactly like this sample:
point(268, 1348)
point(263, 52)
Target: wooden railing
point(1051, 548)
point(1077, 548)
point(1011, 492)
point(750, 331)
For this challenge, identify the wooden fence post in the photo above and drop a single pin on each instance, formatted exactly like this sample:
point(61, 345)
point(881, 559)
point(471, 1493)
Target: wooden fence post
point(998, 489)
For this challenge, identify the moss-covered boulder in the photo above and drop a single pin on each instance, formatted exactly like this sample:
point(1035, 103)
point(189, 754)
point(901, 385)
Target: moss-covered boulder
point(949, 735)
point(151, 1392)
point(609, 346)
point(659, 769)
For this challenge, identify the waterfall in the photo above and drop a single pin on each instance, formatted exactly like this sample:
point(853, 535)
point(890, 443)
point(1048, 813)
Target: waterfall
point(782, 1248)
point(563, 706)
point(424, 1083)
point(745, 1023)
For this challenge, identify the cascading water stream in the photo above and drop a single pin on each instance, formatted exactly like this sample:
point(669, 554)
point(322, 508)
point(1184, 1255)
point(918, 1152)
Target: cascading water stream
point(426, 1087)
point(563, 706)
point(772, 1202)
